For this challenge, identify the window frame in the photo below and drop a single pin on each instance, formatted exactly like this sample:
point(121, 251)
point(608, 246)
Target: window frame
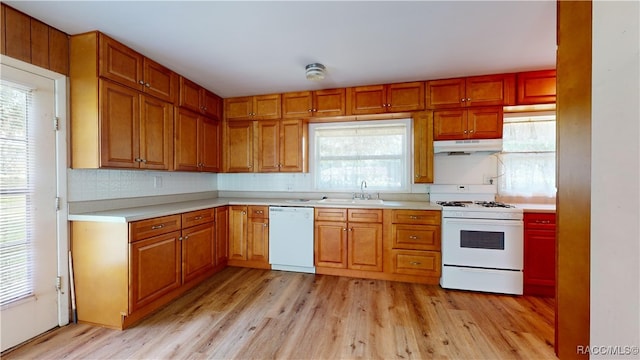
point(406, 184)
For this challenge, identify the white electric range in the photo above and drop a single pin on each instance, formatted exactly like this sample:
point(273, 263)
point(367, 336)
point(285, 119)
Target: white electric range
point(482, 240)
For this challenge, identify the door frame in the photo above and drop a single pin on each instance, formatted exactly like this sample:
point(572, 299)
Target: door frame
point(62, 140)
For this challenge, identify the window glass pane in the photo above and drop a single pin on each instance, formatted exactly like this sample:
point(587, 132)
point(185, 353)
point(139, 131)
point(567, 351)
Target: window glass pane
point(528, 161)
point(15, 215)
point(346, 154)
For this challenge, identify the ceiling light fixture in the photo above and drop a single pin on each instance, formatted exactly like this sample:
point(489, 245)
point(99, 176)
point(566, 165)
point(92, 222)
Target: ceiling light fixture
point(315, 71)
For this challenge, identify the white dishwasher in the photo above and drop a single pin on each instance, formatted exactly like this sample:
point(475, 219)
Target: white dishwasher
point(291, 239)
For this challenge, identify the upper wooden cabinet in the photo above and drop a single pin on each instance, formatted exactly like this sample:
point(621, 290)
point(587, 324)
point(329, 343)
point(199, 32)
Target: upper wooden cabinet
point(378, 99)
point(536, 87)
point(319, 103)
point(281, 146)
point(32, 41)
point(197, 141)
point(488, 90)
point(423, 147)
point(199, 99)
point(273, 145)
point(127, 67)
point(263, 107)
point(476, 123)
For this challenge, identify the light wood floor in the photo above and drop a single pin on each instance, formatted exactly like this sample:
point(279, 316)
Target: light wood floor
point(258, 314)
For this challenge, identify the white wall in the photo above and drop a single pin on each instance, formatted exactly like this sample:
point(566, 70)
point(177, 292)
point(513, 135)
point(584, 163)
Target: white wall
point(84, 185)
point(615, 187)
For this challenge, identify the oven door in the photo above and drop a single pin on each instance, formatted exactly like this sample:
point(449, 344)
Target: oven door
point(491, 244)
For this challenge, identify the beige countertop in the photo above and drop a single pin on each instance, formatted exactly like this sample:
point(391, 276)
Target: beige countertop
point(537, 208)
point(130, 214)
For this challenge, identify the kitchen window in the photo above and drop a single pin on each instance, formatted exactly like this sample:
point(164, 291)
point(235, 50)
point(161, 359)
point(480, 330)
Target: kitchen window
point(345, 154)
point(527, 164)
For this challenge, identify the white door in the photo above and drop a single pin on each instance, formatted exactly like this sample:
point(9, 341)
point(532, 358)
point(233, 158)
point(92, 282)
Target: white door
point(28, 241)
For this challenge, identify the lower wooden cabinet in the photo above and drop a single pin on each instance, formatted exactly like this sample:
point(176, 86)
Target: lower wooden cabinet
point(540, 254)
point(349, 239)
point(412, 245)
point(124, 272)
point(249, 236)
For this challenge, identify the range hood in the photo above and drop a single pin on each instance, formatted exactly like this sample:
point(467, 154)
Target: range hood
point(467, 146)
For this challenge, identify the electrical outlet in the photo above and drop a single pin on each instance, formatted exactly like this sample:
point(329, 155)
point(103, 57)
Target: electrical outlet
point(289, 187)
point(157, 182)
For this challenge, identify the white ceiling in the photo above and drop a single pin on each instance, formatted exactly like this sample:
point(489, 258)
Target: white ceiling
point(237, 48)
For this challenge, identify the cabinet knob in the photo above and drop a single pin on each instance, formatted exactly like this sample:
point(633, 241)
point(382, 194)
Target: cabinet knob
point(463, 100)
point(413, 237)
point(198, 218)
point(471, 131)
point(265, 225)
point(310, 110)
point(315, 110)
point(465, 131)
point(413, 217)
point(147, 85)
point(388, 105)
point(344, 229)
point(468, 99)
point(141, 82)
point(244, 212)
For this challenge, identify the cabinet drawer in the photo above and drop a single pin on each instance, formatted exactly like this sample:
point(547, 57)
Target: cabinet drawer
point(364, 215)
point(147, 228)
point(542, 221)
point(259, 212)
point(330, 214)
point(198, 217)
point(416, 217)
point(416, 237)
point(412, 262)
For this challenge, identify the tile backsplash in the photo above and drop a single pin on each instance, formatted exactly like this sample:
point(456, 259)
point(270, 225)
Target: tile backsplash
point(85, 185)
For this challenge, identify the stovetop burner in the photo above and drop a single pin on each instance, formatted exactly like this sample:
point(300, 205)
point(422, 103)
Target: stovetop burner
point(493, 204)
point(453, 203)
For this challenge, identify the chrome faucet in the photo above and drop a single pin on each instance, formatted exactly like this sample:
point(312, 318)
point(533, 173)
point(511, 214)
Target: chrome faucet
point(363, 185)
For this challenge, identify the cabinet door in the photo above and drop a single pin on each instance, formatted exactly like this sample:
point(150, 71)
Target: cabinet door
point(211, 104)
point(154, 269)
point(159, 81)
point(16, 35)
point(405, 97)
point(490, 90)
point(198, 251)
point(268, 145)
point(239, 146)
point(365, 246)
point(330, 102)
point(240, 108)
point(210, 141)
point(258, 240)
point(485, 123)
point(330, 244)
point(120, 63)
point(238, 232)
point(156, 133)
point(222, 234)
point(297, 104)
point(449, 124)
point(423, 147)
point(292, 146)
point(368, 100)
point(189, 94)
point(539, 258)
point(119, 126)
point(536, 87)
point(267, 107)
point(449, 93)
point(186, 141)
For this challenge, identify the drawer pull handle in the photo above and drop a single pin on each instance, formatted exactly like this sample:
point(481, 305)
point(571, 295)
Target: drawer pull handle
point(413, 237)
point(156, 227)
point(543, 221)
point(415, 263)
point(198, 218)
